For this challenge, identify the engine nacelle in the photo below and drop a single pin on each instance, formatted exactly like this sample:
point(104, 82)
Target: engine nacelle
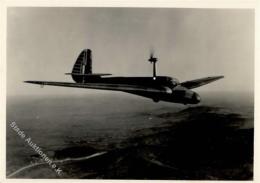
point(183, 95)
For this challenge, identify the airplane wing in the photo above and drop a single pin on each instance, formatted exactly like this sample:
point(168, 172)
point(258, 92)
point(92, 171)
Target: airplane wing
point(104, 86)
point(200, 82)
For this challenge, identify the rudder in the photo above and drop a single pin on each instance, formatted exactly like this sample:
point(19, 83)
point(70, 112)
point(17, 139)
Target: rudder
point(82, 69)
point(82, 66)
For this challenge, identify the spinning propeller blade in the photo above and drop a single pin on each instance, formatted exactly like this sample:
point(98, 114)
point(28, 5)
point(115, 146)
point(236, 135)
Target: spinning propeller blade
point(153, 60)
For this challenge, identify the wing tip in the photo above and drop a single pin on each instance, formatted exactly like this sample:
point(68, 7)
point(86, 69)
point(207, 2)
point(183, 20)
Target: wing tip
point(219, 77)
point(33, 82)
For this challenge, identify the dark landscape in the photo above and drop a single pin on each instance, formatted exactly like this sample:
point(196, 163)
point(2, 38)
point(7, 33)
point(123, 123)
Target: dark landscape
point(133, 138)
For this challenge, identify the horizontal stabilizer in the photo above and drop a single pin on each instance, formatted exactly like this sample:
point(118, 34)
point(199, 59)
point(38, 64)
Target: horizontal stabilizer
point(93, 74)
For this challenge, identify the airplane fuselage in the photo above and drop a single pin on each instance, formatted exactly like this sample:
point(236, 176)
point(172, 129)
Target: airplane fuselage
point(175, 92)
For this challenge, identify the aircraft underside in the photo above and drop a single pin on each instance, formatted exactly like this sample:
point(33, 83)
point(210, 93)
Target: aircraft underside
point(183, 98)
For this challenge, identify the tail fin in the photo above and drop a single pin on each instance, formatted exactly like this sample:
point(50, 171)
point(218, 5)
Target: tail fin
point(82, 69)
point(82, 66)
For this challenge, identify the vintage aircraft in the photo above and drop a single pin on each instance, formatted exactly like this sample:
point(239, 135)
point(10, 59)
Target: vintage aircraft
point(158, 88)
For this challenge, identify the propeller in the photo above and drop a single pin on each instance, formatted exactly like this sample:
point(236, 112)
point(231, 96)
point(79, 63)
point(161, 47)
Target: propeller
point(153, 60)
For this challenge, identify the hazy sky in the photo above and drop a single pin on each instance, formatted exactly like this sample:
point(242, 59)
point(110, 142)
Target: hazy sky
point(43, 44)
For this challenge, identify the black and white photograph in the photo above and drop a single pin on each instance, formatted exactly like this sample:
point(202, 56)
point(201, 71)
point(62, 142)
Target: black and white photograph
point(130, 93)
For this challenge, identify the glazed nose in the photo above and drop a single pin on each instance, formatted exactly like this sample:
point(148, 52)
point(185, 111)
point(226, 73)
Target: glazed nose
point(196, 98)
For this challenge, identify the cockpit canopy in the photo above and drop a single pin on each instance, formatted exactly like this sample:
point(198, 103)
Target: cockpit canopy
point(168, 81)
